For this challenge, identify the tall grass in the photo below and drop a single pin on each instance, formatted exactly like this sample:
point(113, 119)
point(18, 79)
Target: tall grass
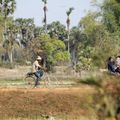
point(91, 80)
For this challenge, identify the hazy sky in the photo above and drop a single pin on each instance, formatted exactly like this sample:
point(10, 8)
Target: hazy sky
point(56, 10)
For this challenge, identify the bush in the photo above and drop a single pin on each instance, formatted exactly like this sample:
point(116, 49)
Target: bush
point(107, 98)
point(92, 80)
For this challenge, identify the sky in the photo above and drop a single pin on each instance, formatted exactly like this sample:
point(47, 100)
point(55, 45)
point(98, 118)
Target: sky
point(56, 10)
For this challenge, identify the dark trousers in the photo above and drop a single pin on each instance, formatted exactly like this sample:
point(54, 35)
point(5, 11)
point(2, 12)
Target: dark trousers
point(38, 75)
point(117, 70)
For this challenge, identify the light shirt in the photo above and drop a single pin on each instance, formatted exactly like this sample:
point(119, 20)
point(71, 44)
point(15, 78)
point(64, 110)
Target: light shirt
point(35, 66)
point(118, 61)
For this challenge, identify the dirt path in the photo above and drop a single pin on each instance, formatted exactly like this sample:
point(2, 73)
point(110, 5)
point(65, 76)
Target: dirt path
point(82, 89)
point(28, 103)
point(16, 102)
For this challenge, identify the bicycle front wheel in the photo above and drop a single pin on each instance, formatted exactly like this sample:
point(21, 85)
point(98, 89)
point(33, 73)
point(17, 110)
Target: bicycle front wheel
point(29, 82)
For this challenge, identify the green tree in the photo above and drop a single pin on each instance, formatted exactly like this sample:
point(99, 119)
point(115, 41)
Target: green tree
point(7, 7)
point(1, 28)
point(85, 38)
point(9, 41)
point(111, 14)
point(88, 25)
point(51, 49)
point(25, 28)
point(77, 38)
point(56, 29)
point(97, 36)
point(85, 56)
point(38, 31)
point(107, 33)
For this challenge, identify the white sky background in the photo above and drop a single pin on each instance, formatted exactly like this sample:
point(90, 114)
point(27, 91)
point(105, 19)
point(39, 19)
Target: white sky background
point(56, 10)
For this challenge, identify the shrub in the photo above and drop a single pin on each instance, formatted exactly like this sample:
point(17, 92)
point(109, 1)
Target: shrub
point(107, 98)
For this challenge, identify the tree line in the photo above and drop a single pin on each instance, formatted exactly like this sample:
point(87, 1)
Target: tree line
point(86, 46)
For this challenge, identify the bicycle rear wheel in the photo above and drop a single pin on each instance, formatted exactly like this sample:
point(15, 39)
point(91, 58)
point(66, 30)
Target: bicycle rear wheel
point(29, 81)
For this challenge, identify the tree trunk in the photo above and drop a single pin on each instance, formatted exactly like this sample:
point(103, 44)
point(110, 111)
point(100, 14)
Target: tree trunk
point(5, 27)
point(11, 56)
point(45, 23)
point(73, 54)
point(68, 37)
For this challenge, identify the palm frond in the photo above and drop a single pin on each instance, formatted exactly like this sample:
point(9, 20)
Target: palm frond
point(45, 1)
point(69, 11)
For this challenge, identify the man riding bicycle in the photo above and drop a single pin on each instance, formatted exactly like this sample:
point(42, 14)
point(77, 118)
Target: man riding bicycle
point(38, 69)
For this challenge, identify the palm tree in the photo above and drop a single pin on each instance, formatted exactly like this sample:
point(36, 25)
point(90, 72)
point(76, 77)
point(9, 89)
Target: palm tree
point(7, 7)
point(45, 15)
point(68, 26)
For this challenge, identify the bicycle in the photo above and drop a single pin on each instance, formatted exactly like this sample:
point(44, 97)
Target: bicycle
point(29, 80)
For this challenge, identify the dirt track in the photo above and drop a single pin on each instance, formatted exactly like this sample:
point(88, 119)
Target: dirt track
point(30, 103)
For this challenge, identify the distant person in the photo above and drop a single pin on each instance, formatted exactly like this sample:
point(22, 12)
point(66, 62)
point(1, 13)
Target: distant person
point(112, 66)
point(38, 69)
point(118, 61)
point(118, 64)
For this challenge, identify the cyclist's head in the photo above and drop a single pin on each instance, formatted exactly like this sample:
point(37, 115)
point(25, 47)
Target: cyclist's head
point(39, 58)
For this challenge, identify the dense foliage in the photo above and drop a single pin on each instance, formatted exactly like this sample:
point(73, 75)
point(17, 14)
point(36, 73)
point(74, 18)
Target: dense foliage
point(101, 33)
point(52, 50)
point(91, 42)
point(107, 98)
